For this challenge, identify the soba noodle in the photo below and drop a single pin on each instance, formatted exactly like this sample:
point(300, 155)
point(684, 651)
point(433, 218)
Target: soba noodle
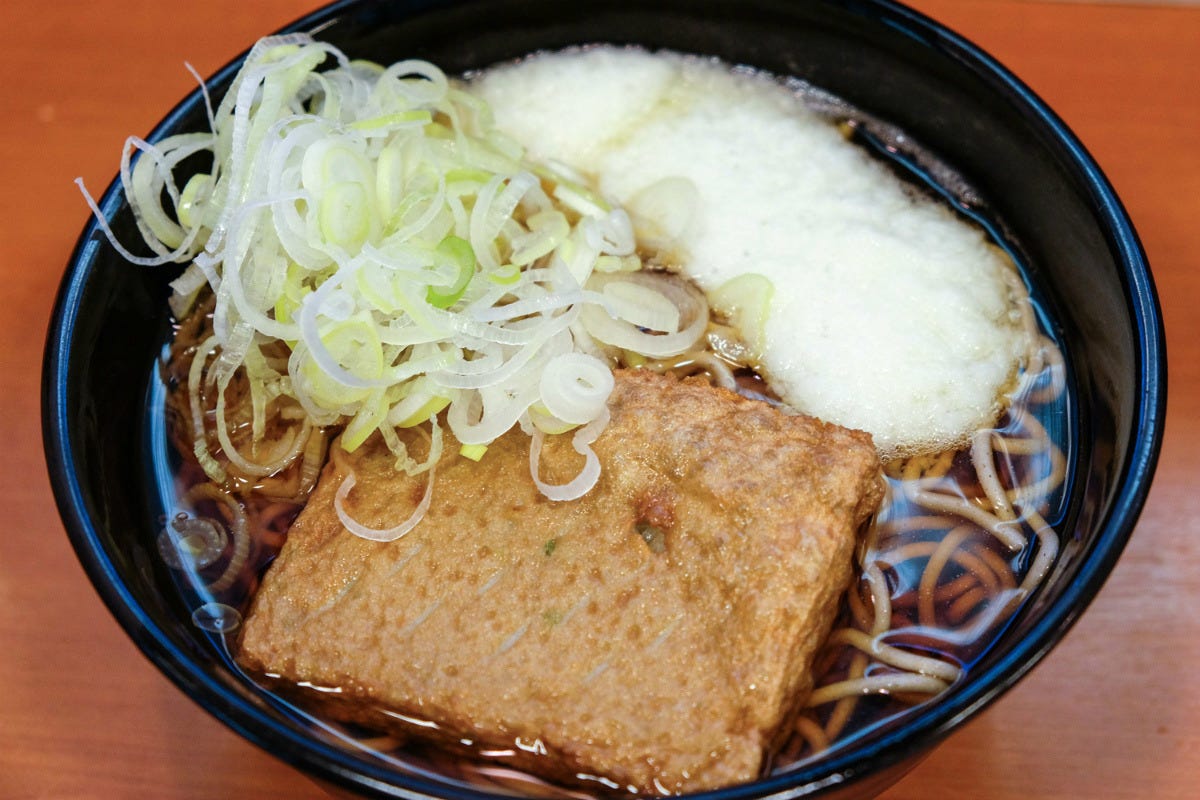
point(961, 545)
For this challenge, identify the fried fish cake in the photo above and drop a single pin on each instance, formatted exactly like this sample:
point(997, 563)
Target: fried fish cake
point(657, 633)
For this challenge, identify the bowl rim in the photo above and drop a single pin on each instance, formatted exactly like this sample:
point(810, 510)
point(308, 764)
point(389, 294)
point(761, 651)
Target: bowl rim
point(922, 730)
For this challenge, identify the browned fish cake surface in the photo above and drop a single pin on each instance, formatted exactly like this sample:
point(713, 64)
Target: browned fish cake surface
point(657, 632)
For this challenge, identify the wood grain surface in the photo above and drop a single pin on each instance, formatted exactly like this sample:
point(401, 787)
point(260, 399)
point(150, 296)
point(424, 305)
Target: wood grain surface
point(1113, 712)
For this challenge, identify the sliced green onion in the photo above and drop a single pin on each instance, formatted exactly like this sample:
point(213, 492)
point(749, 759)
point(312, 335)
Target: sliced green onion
point(400, 118)
point(548, 229)
point(606, 263)
point(746, 301)
point(370, 415)
point(472, 451)
point(458, 254)
point(432, 407)
point(192, 199)
point(345, 216)
point(663, 212)
point(642, 306)
point(505, 274)
point(344, 219)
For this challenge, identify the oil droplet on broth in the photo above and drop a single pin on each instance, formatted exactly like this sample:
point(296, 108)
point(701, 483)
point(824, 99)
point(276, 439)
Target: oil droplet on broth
point(216, 618)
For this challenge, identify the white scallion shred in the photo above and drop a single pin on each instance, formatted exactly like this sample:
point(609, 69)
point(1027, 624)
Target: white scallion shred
point(411, 258)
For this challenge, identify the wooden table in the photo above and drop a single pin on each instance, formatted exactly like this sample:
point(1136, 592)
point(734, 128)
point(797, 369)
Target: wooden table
point(1114, 712)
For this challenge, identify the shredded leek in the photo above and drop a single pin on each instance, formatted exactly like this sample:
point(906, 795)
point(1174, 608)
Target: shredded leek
point(411, 258)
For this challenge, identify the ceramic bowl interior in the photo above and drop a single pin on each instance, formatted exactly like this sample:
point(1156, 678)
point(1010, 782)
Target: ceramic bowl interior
point(1050, 199)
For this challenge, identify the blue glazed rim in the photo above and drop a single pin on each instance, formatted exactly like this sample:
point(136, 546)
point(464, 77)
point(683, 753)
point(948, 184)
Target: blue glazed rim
point(922, 729)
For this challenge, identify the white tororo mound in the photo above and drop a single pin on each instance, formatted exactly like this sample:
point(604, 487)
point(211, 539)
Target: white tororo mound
point(889, 314)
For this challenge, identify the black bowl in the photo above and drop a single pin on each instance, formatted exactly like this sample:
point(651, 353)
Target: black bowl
point(110, 323)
